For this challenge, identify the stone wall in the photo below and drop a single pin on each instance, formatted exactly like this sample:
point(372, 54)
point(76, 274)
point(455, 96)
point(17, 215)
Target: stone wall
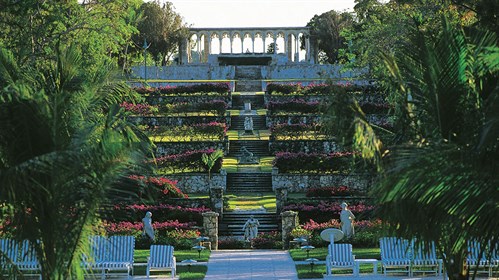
point(283, 98)
point(185, 72)
point(198, 182)
point(170, 99)
point(292, 119)
point(170, 148)
point(308, 71)
point(306, 146)
point(302, 182)
point(178, 120)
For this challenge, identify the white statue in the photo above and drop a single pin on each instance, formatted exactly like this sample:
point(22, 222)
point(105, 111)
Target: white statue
point(250, 228)
point(346, 218)
point(147, 226)
point(248, 124)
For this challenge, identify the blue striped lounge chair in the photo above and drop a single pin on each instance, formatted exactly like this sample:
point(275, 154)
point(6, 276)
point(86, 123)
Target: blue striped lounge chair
point(340, 256)
point(395, 255)
point(425, 259)
point(161, 258)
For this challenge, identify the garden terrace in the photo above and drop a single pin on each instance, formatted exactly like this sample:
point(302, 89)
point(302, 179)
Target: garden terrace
point(169, 148)
point(212, 131)
point(189, 161)
point(153, 121)
point(304, 146)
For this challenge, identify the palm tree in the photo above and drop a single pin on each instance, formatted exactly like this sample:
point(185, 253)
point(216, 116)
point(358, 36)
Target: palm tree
point(65, 149)
point(438, 178)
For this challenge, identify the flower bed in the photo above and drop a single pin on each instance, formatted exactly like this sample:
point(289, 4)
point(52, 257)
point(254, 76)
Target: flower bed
point(142, 109)
point(190, 89)
point(312, 89)
point(161, 213)
point(193, 132)
point(323, 211)
point(299, 105)
point(331, 192)
point(295, 131)
point(187, 162)
point(218, 107)
point(367, 232)
point(156, 189)
point(288, 162)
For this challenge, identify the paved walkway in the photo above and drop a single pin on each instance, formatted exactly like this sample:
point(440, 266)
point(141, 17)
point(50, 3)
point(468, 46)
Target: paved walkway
point(250, 265)
point(271, 265)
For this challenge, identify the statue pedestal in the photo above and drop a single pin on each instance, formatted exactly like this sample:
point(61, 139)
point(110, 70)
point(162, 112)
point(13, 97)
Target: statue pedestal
point(248, 132)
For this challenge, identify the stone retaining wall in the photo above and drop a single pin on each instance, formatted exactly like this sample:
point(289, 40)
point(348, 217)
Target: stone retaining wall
point(170, 148)
point(292, 119)
point(170, 99)
point(306, 146)
point(302, 182)
point(198, 182)
point(178, 120)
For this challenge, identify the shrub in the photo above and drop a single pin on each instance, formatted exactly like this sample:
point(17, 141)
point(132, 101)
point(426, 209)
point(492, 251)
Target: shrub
point(230, 243)
point(188, 89)
point(300, 106)
point(271, 240)
point(375, 108)
point(324, 211)
point(161, 213)
point(157, 189)
point(142, 109)
point(289, 162)
point(282, 88)
point(199, 131)
point(188, 161)
point(294, 130)
point(330, 192)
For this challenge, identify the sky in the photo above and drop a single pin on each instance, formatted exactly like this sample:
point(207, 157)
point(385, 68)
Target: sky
point(255, 13)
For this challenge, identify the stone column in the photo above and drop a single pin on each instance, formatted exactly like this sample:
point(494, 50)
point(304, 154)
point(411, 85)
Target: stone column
point(281, 196)
point(289, 222)
point(275, 43)
point(219, 44)
point(297, 48)
point(289, 46)
point(207, 47)
point(217, 199)
point(210, 226)
point(199, 48)
point(307, 48)
point(253, 43)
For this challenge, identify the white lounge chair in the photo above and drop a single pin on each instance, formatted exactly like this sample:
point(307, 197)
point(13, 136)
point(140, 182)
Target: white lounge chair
point(425, 259)
point(161, 258)
point(340, 256)
point(395, 255)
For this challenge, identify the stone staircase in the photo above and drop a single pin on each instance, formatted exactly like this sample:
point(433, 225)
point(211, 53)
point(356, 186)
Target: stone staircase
point(257, 101)
point(232, 223)
point(249, 182)
point(237, 122)
point(259, 148)
point(248, 78)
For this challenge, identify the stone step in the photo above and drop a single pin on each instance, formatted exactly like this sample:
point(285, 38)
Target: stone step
point(248, 85)
point(249, 182)
point(259, 148)
point(257, 101)
point(248, 72)
point(232, 222)
point(237, 122)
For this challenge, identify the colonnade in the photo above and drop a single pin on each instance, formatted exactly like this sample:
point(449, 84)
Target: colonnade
point(285, 40)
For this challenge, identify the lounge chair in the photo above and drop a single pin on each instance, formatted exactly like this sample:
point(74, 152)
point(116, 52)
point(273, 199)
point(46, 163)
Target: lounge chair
point(395, 255)
point(340, 256)
point(425, 259)
point(161, 259)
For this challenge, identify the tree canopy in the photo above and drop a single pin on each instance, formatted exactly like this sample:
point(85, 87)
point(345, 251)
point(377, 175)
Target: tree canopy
point(325, 31)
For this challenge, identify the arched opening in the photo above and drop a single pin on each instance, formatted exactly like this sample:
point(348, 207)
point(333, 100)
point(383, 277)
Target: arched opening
point(248, 43)
point(259, 44)
point(226, 47)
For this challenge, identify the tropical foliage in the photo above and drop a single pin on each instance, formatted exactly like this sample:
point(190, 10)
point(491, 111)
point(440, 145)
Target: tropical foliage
point(63, 142)
point(438, 169)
